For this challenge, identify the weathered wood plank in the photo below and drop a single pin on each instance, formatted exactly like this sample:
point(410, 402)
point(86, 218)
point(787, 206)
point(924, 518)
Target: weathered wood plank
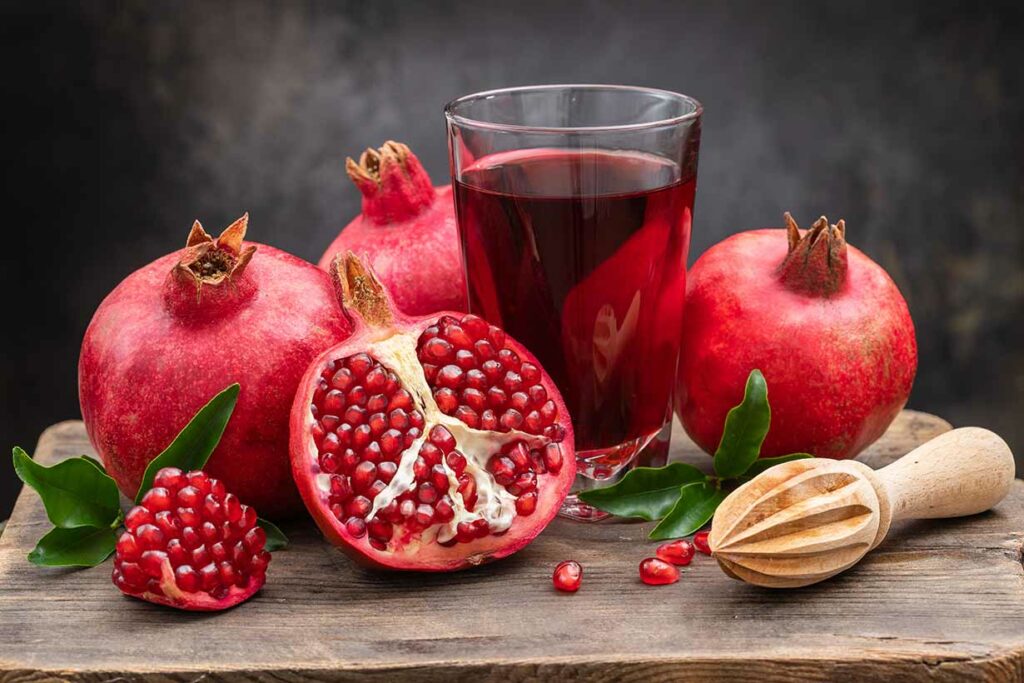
point(938, 600)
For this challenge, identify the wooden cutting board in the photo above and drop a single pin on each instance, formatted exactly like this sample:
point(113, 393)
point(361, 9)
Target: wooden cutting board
point(938, 600)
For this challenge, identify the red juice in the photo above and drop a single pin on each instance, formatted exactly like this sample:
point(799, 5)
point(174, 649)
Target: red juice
point(581, 256)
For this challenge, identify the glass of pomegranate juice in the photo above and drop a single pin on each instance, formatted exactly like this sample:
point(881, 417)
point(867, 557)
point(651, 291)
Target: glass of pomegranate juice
point(574, 207)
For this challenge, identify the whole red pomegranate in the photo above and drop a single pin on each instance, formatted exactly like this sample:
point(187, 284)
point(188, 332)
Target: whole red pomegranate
point(406, 222)
point(823, 322)
point(432, 443)
point(190, 544)
point(177, 331)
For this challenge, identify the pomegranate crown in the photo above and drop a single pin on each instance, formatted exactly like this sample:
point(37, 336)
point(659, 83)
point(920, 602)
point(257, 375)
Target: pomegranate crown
point(394, 185)
point(212, 261)
point(816, 262)
point(360, 290)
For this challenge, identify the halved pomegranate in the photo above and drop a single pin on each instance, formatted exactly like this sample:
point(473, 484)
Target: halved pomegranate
point(431, 443)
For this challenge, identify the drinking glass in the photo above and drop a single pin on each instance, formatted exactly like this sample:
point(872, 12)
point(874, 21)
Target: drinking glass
point(574, 207)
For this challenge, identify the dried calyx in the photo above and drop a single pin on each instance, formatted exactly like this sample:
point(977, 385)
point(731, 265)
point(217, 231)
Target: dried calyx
point(394, 185)
point(816, 262)
point(211, 261)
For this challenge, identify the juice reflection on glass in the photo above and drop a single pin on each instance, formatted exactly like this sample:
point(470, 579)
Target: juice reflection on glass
point(578, 249)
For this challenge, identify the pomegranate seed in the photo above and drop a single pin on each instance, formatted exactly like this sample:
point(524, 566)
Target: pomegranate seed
point(341, 487)
point(188, 496)
point(538, 395)
point(344, 434)
point(467, 489)
point(457, 336)
point(318, 433)
point(359, 506)
point(532, 422)
point(519, 400)
point(424, 515)
point(464, 532)
point(157, 499)
point(548, 411)
point(330, 443)
point(475, 399)
point(444, 510)
point(127, 547)
point(364, 475)
point(484, 350)
point(342, 379)
point(355, 415)
point(442, 438)
point(355, 527)
point(439, 477)
point(149, 537)
point(376, 488)
point(457, 462)
point(553, 457)
point(187, 578)
point(357, 396)
point(375, 378)
point(437, 350)
point(527, 481)
point(655, 572)
point(420, 468)
point(361, 436)
point(526, 504)
point(475, 379)
point(465, 359)
point(497, 337)
point(390, 512)
point(349, 460)
point(496, 398)
point(677, 552)
point(401, 399)
point(391, 442)
point(568, 576)
point(426, 493)
point(450, 376)
point(169, 478)
point(488, 420)
point(431, 454)
point(519, 454)
point(399, 419)
point(554, 432)
point(511, 419)
point(492, 369)
point(386, 471)
point(480, 528)
point(372, 452)
point(700, 540)
point(168, 524)
point(334, 402)
point(416, 418)
point(503, 469)
point(378, 528)
point(446, 400)
point(377, 403)
point(329, 463)
point(468, 416)
point(407, 508)
point(359, 364)
point(509, 359)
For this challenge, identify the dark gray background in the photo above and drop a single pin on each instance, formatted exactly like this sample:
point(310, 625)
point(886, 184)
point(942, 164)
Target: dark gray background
point(125, 121)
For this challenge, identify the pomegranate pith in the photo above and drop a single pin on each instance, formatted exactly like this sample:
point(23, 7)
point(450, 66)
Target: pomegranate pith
point(655, 572)
point(430, 443)
point(190, 544)
point(568, 576)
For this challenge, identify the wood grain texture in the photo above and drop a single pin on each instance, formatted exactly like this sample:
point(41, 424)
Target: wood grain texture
point(938, 600)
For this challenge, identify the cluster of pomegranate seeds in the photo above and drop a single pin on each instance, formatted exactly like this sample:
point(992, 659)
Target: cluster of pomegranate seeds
point(568, 576)
point(655, 572)
point(476, 379)
point(700, 540)
point(676, 552)
point(190, 524)
point(365, 420)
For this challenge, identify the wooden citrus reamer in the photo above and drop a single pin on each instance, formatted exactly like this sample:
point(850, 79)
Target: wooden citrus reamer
point(806, 520)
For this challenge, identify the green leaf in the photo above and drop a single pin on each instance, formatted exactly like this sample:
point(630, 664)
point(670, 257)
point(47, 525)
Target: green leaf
point(276, 540)
point(80, 547)
point(93, 461)
point(645, 492)
point(745, 428)
point(74, 492)
point(192, 447)
point(696, 504)
point(761, 465)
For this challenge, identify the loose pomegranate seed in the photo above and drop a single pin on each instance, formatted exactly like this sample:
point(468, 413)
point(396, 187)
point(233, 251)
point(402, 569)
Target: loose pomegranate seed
point(700, 539)
point(190, 544)
point(655, 572)
point(568, 576)
point(676, 552)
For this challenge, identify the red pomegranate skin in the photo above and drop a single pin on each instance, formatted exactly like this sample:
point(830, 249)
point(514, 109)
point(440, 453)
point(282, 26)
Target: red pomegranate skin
point(155, 353)
point(839, 366)
point(405, 223)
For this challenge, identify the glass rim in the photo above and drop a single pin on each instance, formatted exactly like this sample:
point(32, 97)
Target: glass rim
point(450, 109)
